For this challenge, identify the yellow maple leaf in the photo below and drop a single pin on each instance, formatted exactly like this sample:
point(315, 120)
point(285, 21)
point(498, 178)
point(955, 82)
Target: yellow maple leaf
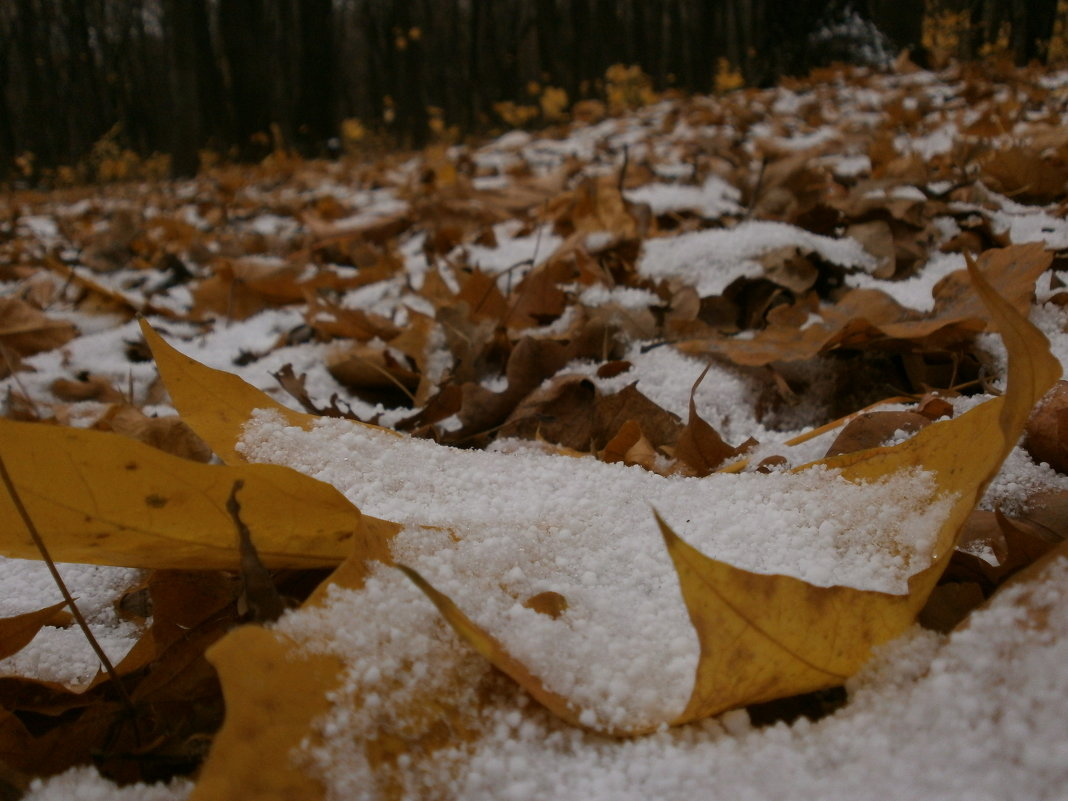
point(104, 499)
point(214, 403)
point(765, 636)
point(836, 625)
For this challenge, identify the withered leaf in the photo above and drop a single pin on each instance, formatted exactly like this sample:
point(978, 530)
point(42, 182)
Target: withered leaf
point(170, 434)
point(1047, 429)
point(700, 447)
point(90, 387)
point(872, 429)
point(26, 330)
point(16, 632)
point(770, 636)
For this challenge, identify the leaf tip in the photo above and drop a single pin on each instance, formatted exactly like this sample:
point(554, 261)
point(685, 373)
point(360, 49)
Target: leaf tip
point(669, 535)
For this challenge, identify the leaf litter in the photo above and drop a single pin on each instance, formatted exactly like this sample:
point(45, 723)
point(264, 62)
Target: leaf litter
point(573, 350)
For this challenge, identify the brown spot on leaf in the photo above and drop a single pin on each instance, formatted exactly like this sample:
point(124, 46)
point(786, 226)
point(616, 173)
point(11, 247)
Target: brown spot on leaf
point(155, 501)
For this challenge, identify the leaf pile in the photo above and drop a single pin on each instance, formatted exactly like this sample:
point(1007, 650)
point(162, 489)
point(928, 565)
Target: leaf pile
point(779, 241)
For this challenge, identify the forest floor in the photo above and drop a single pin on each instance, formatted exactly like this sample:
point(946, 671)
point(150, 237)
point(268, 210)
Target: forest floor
point(601, 344)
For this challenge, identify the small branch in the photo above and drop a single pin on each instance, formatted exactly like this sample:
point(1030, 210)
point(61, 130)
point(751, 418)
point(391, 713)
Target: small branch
point(78, 617)
point(260, 596)
point(623, 168)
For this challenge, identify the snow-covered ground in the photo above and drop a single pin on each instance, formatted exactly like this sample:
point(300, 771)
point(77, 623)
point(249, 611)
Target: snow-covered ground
point(726, 186)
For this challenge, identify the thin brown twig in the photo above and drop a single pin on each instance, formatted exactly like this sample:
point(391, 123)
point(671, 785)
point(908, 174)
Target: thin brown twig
point(18, 381)
point(74, 610)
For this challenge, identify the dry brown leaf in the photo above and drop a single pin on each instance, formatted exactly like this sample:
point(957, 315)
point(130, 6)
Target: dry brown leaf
point(629, 446)
point(700, 448)
point(240, 288)
point(373, 374)
point(872, 429)
point(331, 321)
point(770, 636)
point(613, 411)
point(91, 387)
point(878, 240)
point(16, 632)
point(790, 267)
point(1047, 429)
point(862, 316)
point(26, 330)
point(561, 412)
point(170, 434)
point(1024, 175)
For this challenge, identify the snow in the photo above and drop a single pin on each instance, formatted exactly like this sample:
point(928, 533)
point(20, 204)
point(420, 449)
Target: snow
point(63, 654)
point(512, 526)
point(711, 260)
point(915, 292)
point(713, 199)
point(977, 714)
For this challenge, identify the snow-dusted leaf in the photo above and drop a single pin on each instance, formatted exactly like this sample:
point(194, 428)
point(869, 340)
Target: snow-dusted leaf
point(767, 636)
point(213, 402)
point(274, 692)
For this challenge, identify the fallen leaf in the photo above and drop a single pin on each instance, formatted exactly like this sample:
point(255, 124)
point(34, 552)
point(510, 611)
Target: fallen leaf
point(878, 240)
point(863, 316)
point(242, 287)
point(488, 645)
point(26, 330)
point(373, 374)
point(1047, 429)
point(170, 434)
point(872, 429)
point(332, 321)
point(214, 403)
point(294, 385)
point(767, 636)
point(100, 498)
point(700, 447)
point(90, 387)
point(265, 719)
point(630, 446)
point(16, 632)
point(1022, 174)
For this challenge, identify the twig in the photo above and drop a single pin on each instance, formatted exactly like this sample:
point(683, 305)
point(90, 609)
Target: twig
point(259, 594)
point(77, 614)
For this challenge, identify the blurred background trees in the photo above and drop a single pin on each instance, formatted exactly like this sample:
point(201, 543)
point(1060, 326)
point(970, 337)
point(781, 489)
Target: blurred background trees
point(244, 77)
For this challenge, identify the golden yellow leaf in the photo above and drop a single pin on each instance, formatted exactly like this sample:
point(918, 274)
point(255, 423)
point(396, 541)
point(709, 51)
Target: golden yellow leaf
point(214, 403)
point(770, 636)
point(274, 691)
point(488, 645)
point(101, 498)
point(217, 404)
